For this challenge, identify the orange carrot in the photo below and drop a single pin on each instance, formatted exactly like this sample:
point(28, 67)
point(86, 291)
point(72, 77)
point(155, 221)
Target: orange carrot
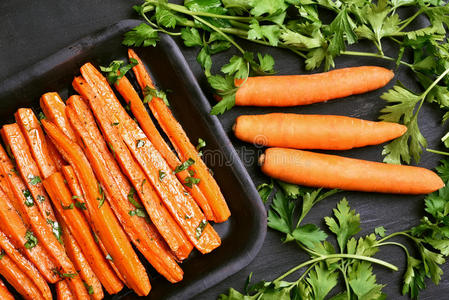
point(16, 229)
point(63, 291)
point(54, 110)
point(93, 285)
point(77, 194)
point(25, 265)
point(331, 171)
point(40, 147)
point(180, 204)
point(162, 219)
point(103, 219)
point(77, 225)
point(4, 293)
point(18, 279)
point(41, 228)
point(292, 90)
point(314, 131)
point(118, 191)
point(183, 146)
point(130, 95)
point(29, 170)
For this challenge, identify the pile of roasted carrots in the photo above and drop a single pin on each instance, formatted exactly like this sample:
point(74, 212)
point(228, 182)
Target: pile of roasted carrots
point(286, 132)
point(83, 185)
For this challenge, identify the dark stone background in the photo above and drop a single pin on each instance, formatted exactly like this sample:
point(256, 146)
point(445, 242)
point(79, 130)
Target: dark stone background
point(32, 30)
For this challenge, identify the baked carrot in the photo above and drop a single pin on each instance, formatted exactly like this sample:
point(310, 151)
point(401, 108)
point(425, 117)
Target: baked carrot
point(180, 204)
point(119, 191)
point(39, 145)
point(92, 283)
point(331, 171)
point(103, 219)
point(183, 146)
point(27, 167)
point(41, 229)
point(4, 293)
point(78, 226)
point(25, 265)
point(16, 229)
point(63, 291)
point(130, 95)
point(314, 131)
point(292, 90)
point(78, 195)
point(54, 110)
point(18, 279)
point(162, 219)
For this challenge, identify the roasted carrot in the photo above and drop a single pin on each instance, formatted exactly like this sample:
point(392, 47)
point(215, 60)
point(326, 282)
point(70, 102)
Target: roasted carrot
point(331, 171)
point(162, 219)
point(4, 293)
point(41, 228)
point(103, 219)
point(77, 194)
point(25, 265)
point(18, 279)
point(130, 95)
point(183, 146)
point(27, 167)
point(18, 230)
point(93, 284)
point(63, 291)
point(314, 131)
point(292, 90)
point(40, 148)
point(118, 191)
point(180, 204)
point(78, 226)
point(54, 110)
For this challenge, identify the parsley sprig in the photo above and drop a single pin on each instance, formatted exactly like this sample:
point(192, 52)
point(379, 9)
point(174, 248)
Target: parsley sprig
point(352, 261)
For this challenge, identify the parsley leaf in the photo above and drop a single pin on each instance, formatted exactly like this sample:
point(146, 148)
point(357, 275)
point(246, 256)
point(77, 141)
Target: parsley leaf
point(184, 166)
point(265, 190)
point(31, 240)
point(117, 69)
point(141, 35)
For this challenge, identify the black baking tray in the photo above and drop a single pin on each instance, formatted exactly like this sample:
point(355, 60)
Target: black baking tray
point(243, 234)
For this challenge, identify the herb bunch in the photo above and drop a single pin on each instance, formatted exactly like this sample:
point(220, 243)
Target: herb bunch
point(351, 260)
point(318, 31)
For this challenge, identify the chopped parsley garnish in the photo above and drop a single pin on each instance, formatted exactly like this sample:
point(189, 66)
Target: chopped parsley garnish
point(184, 165)
point(199, 230)
point(162, 174)
point(31, 240)
point(28, 198)
point(33, 180)
point(132, 199)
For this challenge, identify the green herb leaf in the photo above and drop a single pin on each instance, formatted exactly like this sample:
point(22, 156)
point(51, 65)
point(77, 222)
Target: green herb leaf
point(117, 69)
point(184, 165)
point(28, 198)
point(31, 240)
point(190, 181)
point(70, 206)
point(132, 199)
point(265, 190)
point(33, 180)
point(56, 229)
point(141, 35)
point(200, 228)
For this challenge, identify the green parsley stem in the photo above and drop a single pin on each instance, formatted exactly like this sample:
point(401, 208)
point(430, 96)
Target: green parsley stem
point(220, 32)
point(394, 244)
point(437, 152)
point(306, 272)
point(160, 29)
point(345, 278)
point(182, 9)
point(404, 233)
point(356, 53)
point(409, 20)
point(338, 256)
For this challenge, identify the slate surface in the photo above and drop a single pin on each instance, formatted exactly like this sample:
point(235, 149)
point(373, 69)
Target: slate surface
point(32, 30)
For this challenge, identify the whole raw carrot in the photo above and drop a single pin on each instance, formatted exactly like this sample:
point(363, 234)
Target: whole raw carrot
point(78, 226)
point(63, 291)
point(93, 284)
point(104, 220)
point(125, 88)
point(25, 265)
point(19, 280)
point(118, 190)
point(43, 231)
point(331, 171)
point(4, 293)
point(160, 216)
point(54, 110)
point(314, 131)
point(183, 146)
point(180, 204)
point(17, 231)
point(40, 146)
point(78, 195)
point(292, 90)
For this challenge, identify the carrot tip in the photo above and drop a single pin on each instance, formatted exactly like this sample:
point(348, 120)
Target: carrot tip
point(261, 159)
